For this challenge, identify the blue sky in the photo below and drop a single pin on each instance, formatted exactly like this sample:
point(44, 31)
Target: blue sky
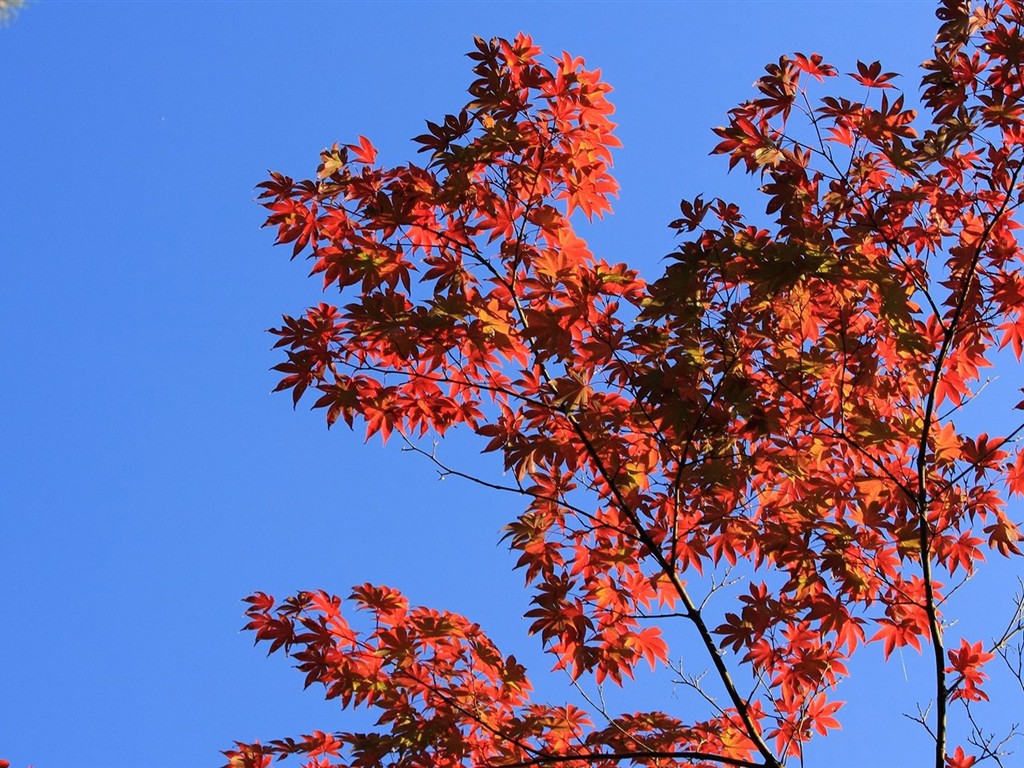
point(148, 480)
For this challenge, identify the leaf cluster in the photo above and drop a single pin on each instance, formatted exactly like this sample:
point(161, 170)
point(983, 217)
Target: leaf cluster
point(785, 399)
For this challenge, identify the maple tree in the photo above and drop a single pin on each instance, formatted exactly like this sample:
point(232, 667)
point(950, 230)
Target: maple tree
point(787, 398)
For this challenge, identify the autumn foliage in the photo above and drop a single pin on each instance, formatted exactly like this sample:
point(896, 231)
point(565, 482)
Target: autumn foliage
point(787, 397)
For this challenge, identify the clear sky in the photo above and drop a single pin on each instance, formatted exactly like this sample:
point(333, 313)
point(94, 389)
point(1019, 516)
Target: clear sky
point(148, 480)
